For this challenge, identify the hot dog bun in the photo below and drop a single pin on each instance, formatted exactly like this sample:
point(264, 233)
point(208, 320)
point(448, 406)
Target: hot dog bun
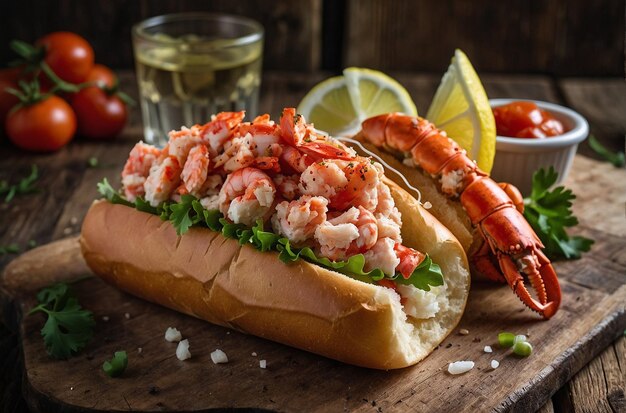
point(208, 276)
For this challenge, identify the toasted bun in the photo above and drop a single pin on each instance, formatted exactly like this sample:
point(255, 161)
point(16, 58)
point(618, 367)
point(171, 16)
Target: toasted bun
point(448, 211)
point(208, 276)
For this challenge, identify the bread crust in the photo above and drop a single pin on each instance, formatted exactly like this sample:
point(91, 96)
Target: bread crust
point(205, 275)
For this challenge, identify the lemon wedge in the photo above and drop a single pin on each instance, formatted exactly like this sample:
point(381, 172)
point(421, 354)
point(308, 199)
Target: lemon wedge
point(338, 105)
point(461, 108)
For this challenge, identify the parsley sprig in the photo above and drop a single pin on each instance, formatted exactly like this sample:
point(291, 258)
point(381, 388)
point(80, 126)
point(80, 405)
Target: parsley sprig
point(25, 186)
point(189, 212)
point(549, 213)
point(69, 327)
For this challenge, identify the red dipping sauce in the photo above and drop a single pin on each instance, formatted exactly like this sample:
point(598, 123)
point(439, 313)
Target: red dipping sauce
point(523, 119)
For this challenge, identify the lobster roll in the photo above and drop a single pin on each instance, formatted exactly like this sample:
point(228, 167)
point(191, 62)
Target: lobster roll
point(276, 230)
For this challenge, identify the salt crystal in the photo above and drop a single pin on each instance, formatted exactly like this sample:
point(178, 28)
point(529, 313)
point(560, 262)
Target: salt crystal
point(460, 367)
point(218, 356)
point(254, 354)
point(172, 334)
point(488, 349)
point(263, 364)
point(182, 351)
point(495, 364)
point(464, 331)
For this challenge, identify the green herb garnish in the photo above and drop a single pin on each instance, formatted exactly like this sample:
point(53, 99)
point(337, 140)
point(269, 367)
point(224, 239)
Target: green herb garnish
point(92, 162)
point(107, 191)
point(25, 186)
point(549, 213)
point(69, 327)
point(183, 214)
point(116, 365)
point(616, 158)
point(189, 212)
point(10, 249)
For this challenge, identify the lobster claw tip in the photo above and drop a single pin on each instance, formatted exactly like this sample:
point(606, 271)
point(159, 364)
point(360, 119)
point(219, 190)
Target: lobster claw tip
point(544, 282)
point(546, 310)
point(549, 310)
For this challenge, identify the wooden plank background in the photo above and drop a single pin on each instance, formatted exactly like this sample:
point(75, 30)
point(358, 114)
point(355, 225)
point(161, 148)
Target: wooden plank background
point(558, 37)
point(292, 28)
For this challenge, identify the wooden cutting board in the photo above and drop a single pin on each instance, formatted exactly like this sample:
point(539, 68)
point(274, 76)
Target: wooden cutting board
point(592, 314)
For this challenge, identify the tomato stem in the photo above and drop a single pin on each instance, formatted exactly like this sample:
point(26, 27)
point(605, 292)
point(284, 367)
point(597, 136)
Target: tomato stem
point(59, 84)
point(125, 98)
point(33, 58)
point(115, 91)
point(28, 93)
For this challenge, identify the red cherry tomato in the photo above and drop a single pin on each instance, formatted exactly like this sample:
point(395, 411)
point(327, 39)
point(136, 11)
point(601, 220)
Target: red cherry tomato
point(100, 115)
point(102, 76)
point(525, 120)
point(390, 284)
point(532, 132)
point(45, 126)
point(8, 79)
point(516, 116)
point(552, 127)
point(69, 55)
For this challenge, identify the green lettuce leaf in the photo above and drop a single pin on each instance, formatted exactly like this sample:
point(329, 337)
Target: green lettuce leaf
point(212, 219)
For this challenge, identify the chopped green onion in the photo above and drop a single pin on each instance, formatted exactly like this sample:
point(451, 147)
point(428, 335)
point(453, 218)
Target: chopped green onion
point(506, 339)
point(522, 348)
point(117, 365)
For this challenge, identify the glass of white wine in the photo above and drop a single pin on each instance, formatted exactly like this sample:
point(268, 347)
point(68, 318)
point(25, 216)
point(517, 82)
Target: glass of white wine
point(192, 65)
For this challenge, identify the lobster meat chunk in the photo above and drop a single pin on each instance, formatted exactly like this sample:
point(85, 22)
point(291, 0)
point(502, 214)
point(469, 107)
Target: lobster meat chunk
point(296, 133)
point(511, 251)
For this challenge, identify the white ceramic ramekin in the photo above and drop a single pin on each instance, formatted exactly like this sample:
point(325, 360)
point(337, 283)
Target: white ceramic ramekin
point(518, 158)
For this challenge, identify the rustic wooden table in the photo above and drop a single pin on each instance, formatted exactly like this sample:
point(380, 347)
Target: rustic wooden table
point(67, 186)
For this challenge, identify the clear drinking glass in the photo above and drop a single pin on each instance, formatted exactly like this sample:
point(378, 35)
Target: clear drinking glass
point(192, 65)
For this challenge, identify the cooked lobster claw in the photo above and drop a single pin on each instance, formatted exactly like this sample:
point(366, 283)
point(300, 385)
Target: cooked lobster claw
point(511, 250)
point(511, 240)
